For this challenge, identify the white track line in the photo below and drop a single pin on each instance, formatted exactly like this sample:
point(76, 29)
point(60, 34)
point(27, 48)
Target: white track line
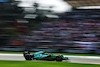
point(8, 54)
point(85, 57)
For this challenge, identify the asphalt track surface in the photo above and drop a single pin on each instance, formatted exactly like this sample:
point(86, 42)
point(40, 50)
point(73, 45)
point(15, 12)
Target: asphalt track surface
point(73, 59)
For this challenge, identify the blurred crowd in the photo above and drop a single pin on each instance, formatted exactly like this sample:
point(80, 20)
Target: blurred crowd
point(85, 30)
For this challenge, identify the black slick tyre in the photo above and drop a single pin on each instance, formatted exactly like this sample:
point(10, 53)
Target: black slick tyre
point(28, 57)
point(58, 58)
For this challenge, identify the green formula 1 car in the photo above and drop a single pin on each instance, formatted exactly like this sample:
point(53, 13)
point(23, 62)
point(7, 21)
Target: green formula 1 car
point(41, 55)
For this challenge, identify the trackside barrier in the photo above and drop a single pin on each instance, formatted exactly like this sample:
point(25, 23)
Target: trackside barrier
point(52, 50)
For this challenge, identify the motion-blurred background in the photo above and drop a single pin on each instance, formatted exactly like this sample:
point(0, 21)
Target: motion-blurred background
point(70, 26)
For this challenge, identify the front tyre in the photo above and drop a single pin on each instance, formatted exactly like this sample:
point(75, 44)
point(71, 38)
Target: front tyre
point(58, 58)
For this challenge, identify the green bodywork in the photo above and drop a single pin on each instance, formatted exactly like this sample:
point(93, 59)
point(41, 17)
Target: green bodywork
point(41, 55)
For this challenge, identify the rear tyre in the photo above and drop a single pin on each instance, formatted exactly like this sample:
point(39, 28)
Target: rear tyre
point(58, 58)
point(28, 57)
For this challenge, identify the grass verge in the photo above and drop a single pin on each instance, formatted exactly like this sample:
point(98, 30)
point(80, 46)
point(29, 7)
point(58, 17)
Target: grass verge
point(43, 64)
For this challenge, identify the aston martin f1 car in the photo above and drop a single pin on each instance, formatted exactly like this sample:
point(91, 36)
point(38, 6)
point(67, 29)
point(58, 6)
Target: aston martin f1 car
point(41, 55)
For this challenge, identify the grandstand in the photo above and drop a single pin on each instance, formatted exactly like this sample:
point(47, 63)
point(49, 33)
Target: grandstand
point(78, 3)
